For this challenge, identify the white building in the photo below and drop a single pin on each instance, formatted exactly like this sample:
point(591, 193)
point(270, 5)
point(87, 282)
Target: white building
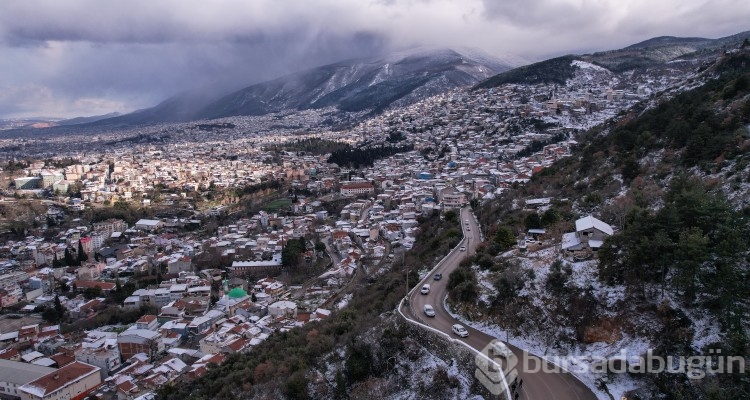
point(148, 225)
point(15, 373)
point(590, 234)
point(73, 381)
point(357, 188)
point(283, 309)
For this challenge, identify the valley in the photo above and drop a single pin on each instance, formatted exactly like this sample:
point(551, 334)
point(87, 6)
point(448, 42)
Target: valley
point(273, 243)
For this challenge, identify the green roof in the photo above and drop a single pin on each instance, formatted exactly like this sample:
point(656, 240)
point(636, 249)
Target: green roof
point(237, 293)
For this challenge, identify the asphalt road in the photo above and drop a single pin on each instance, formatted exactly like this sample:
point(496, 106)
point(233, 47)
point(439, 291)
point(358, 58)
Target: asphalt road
point(536, 385)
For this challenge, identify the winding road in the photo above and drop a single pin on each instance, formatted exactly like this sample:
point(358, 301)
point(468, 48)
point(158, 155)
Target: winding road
point(538, 385)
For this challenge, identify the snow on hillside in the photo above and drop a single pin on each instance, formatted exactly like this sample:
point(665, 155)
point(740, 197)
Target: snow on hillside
point(587, 72)
point(580, 359)
point(587, 65)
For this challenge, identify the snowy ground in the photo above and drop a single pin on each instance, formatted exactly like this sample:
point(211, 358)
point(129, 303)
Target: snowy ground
point(423, 372)
point(577, 362)
point(581, 360)
point(344, 301)
point(415, 373)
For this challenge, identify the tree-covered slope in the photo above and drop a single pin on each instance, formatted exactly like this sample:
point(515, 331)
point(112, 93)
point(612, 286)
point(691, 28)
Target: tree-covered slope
point(555, 70)
point(672, 177)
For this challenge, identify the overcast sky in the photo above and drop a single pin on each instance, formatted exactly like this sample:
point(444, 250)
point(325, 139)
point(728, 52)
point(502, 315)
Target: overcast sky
point(87, 57)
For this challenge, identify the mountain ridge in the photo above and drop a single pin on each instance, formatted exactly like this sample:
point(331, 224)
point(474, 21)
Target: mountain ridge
point(646, 54)
point(355, 85)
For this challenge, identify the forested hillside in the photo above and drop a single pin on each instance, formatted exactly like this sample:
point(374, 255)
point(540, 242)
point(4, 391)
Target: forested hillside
point(672, 178)
point(555, 70)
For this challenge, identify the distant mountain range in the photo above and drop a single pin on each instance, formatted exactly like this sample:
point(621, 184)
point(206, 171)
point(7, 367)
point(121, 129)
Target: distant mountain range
point(352, 86)
point(647, 54)
point(374, 84)
point(42, 122)
point(85, 120)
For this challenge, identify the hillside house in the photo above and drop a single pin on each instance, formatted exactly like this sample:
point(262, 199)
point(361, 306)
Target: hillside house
point(589, 235)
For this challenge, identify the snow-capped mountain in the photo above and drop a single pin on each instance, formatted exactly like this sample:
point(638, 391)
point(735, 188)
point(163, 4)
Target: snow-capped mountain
point(371, 84)
point(362, 85)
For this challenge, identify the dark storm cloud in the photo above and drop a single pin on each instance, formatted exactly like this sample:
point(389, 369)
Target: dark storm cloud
point(83, 57)
point(544, 14)
point(137, 56)
point(565, 26)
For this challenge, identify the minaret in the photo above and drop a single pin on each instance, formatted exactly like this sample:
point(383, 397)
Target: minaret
point(226, 296)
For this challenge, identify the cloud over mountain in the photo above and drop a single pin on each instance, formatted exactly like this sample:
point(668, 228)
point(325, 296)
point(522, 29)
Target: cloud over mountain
point(126, 55)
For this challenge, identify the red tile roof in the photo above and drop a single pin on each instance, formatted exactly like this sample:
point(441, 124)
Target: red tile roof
point(216, 359)
point(8, 354)
point(58, 379)
point(238, 344)
point(126, 387)
point(62, 359)
point(146, 319)
point(363, 185)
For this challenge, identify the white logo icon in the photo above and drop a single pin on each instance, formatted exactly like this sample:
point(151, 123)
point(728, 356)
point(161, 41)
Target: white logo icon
point(496, 367)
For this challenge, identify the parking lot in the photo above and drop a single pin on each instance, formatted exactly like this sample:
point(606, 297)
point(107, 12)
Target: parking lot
point(8, 324)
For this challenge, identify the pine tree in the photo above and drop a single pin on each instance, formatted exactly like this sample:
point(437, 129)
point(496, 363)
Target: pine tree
point(59, 308)
point(82, 256)
point(69, 260)
point(50, 315)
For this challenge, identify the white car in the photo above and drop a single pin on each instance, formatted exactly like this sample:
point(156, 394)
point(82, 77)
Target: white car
point(429, 311)
point(500, 349)
point(463, 248)
point(425, 289)
point(459, 330)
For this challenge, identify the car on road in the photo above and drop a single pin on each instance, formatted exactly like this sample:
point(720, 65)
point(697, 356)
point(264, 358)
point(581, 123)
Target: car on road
point(438, 276)
point(462, 248)
point(425, 289)
point(429, 311)
point(500, 349)
point(459, 330)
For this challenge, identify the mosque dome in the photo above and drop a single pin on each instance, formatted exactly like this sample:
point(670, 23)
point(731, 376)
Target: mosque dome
point(237, 293)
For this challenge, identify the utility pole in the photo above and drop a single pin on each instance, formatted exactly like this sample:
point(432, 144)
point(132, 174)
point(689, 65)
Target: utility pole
point(407, 274)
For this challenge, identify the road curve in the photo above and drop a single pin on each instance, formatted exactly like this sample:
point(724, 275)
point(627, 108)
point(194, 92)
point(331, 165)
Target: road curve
point(536, 385)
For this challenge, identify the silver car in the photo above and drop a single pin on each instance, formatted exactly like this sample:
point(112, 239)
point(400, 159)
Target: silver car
point(459, 330)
